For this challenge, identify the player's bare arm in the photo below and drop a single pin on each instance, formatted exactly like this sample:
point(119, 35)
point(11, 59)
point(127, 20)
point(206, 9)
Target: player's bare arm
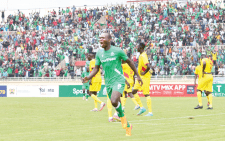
point(203, 70)
point(131, 64)
point(90, 82)
point(195, 79)
point(147, 69)
point(92, 74)
point(128, 84)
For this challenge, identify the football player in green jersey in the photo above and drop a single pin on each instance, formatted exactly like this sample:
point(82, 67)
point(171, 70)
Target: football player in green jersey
point(110, 58)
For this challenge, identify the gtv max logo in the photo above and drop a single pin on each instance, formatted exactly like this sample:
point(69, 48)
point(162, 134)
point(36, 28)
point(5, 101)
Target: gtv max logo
point(77, 92)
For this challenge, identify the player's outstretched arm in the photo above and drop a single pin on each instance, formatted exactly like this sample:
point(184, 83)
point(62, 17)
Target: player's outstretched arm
point(195, 79)
point(131, 64)
point(92, 74)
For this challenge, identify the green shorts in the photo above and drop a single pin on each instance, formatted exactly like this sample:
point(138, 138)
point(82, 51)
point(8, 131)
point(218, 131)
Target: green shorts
point(115, 87)
point(85, 86)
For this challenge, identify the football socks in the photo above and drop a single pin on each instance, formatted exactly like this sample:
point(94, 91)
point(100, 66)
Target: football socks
point(96, 99)
point(119, 110)
point(109, 106)
point(134, 100)
point(149, 103)
point(199, 94)
point(138, 100)
point(210, 100)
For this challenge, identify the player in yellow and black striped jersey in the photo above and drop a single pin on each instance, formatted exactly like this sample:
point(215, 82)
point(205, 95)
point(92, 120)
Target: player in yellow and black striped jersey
point(206, 82)
point(129, 76)
point(143, 70)
point(95, 84)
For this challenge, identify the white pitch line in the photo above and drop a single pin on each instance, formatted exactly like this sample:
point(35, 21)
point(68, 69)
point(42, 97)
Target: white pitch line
point(180, 124)
point(179, 117)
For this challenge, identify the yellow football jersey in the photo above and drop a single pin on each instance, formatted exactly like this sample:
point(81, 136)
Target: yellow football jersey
point(198, 71)
point(128, 72)
point(142, 65)
point(209, 65)
point(97, 77)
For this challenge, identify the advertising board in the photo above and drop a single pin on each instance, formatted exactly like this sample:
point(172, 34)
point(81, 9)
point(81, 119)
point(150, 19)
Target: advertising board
point(3, 91)
point(32, 91)
point(76, 91)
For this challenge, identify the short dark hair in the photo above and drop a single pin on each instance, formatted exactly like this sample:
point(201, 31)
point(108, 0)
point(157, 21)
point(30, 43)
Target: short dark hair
point(112, 43)
point(142, 45)
point(108, 35)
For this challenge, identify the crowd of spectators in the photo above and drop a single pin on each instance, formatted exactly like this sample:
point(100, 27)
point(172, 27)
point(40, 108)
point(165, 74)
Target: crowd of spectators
point(175, 37)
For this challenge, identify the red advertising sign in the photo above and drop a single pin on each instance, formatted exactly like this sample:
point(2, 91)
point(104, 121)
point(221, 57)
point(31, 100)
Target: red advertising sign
point(171, 90)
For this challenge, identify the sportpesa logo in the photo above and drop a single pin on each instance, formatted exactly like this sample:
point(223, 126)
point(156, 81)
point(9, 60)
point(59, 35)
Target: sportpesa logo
point(76, 92)
point(108, 59)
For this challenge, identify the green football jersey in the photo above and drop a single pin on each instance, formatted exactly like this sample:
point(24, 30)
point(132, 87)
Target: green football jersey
point(111, 63)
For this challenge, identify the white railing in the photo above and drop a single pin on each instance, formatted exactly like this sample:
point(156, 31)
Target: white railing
point(78, 78)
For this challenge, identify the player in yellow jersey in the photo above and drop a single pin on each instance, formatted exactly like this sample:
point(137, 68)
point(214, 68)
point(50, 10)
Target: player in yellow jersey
point(143, 71)
point(198, 74)
point(129, 76)
point(206, 82)
point(95, 84)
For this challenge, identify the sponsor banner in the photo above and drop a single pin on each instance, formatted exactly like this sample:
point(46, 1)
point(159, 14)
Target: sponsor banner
point(32, 91)
point(218, 90)
point(171, 90)
point(76, 91)
point(3, 91)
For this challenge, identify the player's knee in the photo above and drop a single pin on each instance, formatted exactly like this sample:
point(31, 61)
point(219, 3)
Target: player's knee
point(134, 92)
point(114, 102)
point(147, 95)
point(131, 95)
point(207, 93)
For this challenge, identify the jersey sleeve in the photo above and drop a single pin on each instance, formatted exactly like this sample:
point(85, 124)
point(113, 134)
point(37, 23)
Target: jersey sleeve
point(82, 75)
point(122, 55)
point(145, 59)
point(97, 60)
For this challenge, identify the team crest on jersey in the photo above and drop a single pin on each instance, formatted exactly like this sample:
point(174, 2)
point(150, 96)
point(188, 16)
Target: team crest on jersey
point(112, 54)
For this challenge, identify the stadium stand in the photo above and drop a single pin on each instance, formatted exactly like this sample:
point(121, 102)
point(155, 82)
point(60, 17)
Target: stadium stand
point(175, 36)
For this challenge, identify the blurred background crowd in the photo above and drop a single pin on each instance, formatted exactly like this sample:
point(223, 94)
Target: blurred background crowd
point(175, 36)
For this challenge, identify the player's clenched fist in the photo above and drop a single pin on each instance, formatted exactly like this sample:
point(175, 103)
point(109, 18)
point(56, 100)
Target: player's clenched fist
point(85, 80)
point(139, 80)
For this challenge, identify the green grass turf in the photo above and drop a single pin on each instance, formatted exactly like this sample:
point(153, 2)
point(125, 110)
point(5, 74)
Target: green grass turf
point(70, 119)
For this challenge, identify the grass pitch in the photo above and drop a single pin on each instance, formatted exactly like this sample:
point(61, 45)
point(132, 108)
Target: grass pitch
point(44, 119)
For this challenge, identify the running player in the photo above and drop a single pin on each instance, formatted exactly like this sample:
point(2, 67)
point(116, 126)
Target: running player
point(206, 82)
point(110, 58)
point(95, 84)
point(85, 85)
point(143, 70)
point(129, 75)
